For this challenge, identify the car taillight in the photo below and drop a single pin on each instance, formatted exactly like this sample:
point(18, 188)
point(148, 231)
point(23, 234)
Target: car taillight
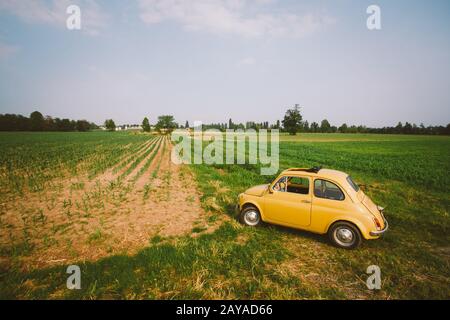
point(377, 223)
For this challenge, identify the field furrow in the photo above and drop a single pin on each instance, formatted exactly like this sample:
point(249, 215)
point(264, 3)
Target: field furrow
point(142, 172)
point(107, 214)
point(140, 161)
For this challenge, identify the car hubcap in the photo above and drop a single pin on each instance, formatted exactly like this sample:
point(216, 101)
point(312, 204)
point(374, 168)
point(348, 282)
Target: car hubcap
point(344, 236)
point(251, 218)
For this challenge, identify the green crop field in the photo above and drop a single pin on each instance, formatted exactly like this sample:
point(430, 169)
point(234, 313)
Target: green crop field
point(113, 204)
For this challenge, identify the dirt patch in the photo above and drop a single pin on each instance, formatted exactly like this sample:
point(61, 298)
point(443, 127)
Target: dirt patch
point(107, 216)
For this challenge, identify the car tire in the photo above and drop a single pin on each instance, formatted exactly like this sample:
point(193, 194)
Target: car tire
point(345, 235)
point(250, 216)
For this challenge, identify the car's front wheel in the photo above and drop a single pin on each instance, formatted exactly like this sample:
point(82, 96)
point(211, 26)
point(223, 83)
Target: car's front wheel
point(345, 235)
point(250, 216)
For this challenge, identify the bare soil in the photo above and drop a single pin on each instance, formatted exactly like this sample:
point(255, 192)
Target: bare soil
point(117, 212)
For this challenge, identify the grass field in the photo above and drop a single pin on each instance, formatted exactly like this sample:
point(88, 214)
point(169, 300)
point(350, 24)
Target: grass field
point(141, 228)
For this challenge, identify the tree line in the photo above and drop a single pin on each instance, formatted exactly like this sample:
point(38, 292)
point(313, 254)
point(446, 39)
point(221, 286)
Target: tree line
point(292, 123)
point(37, 122)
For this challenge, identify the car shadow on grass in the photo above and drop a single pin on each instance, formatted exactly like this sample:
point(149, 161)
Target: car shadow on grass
point(300, 234)
point(319, 238)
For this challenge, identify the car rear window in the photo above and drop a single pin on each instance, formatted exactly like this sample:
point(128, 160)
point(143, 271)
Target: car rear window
point(353, 184)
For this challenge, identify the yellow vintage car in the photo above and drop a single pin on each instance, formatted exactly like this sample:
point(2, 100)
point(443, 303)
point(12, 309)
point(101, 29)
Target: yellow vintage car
point(319, 200)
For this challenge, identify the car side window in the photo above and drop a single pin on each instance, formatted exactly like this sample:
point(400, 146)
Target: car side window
point(298, 185)
point(327, 190)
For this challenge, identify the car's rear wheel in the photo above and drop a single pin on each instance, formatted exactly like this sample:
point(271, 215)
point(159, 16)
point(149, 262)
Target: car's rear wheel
point(345, 235)
point(250, 216)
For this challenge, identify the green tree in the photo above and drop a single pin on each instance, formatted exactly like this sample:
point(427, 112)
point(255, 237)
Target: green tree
point(399, 128)
point(407, 128)
point(67, 125)
point(166, 124)
point(325, 126)
point(145, 125)
point(37, 121)
point(110, 125)
point(83, 125)
point(314, 127)
point(230, 124)
point(306, 126)
point(292, 121)
point(343, 128)
point(277, 126)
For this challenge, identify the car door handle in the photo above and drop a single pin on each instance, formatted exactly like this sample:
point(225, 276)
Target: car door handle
point(306, 201)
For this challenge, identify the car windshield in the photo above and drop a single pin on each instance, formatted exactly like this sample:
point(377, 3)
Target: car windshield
point(353, 184)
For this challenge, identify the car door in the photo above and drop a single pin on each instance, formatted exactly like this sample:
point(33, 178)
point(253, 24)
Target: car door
point(329, 202)
point(289, 202)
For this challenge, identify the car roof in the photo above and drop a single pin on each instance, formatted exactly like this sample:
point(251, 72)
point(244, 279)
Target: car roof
point(320, 173)
point(332, 175)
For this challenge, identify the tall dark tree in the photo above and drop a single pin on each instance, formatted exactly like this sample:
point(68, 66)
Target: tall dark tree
point(37, 121)
point(314, 127)
point(399, 128)
point(306, 126)
point(82, 125)
point(145, 125)
point(230, 124)
point(166, 124)
point(325, 126)
point(278, 125)
point(187, 125)
point(67, 125)
point(110, 125)
point(343, 128)
point(292, 120)
point(407, 128)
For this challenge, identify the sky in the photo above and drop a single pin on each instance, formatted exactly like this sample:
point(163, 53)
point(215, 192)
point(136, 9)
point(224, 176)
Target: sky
point(211, 60)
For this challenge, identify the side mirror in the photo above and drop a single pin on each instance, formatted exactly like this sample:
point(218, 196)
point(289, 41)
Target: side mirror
point(269, 189)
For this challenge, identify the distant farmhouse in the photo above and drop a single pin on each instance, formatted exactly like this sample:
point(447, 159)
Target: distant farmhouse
point(129, 127)
point(125, 127)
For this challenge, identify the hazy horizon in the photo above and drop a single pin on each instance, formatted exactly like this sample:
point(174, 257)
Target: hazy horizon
point(214, 60)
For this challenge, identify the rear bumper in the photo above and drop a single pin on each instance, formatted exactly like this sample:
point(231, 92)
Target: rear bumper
point(380, 232)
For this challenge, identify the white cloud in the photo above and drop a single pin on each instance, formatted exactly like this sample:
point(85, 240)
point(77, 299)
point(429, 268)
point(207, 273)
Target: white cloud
point(93, 19)
point(239, 17)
